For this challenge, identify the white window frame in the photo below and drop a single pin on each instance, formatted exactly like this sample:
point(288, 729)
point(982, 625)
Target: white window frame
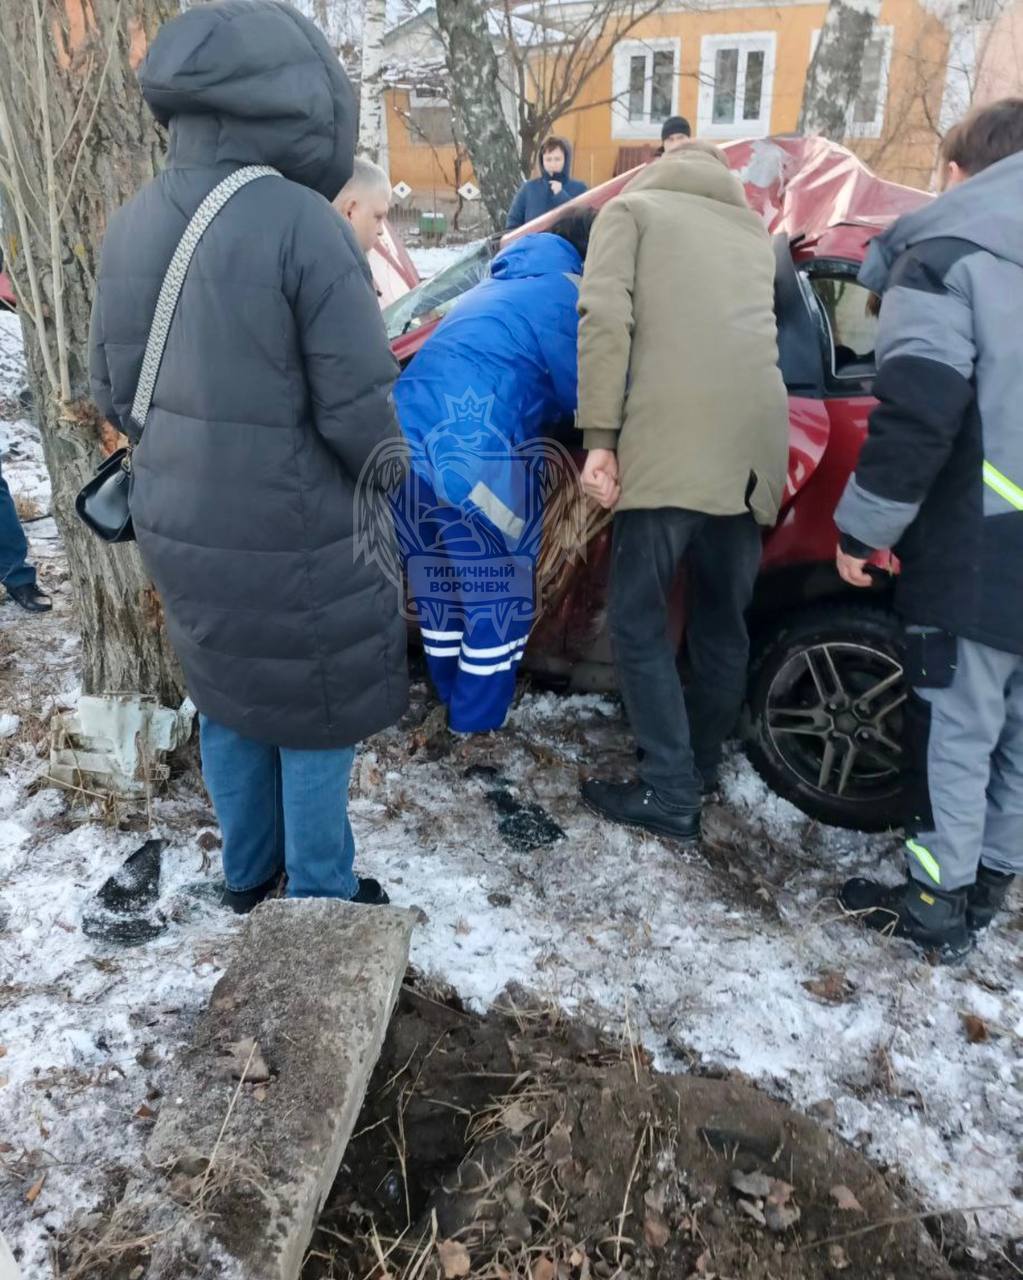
point(746, 42)
point(625, 51)
point(868, 128)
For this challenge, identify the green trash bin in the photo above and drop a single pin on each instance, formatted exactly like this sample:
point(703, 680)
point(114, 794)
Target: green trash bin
point(433, 225)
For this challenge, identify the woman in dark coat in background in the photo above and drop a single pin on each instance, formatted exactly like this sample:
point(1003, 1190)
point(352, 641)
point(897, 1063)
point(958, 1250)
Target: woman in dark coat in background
point(554, 187)
point(274, 391)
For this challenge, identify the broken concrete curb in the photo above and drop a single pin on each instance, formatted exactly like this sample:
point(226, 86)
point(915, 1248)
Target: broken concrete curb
point(240, 1167)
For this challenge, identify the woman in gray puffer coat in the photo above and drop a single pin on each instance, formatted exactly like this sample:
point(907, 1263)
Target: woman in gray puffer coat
point(274, 391)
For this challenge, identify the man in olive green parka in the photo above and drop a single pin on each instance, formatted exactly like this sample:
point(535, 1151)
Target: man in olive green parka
point(685, 420)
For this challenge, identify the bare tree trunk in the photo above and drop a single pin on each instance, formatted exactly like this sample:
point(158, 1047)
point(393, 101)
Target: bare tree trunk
point(371, 90)
point(836, 70)
point(476, 96)
point(75, 142)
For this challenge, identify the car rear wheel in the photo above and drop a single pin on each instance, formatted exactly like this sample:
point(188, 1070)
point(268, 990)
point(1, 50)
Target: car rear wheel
point(827, 693)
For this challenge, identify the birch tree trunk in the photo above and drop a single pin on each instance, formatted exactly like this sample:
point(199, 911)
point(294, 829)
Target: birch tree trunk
point(76, 141)
point(836, 70)
point(476, 97)
point(371, 90)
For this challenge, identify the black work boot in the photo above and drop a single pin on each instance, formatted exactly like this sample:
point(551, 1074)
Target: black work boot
point(634, 804)
point(370, 893)
point(30, 598)
point(933, 919)
point(241, 902)
point(987, 897)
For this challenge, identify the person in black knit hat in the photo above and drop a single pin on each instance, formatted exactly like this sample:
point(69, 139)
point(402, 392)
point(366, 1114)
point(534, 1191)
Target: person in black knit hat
point(675, 132)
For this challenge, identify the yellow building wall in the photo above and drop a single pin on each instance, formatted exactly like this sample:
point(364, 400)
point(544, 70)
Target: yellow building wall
point(427, 169)
point(905, 152)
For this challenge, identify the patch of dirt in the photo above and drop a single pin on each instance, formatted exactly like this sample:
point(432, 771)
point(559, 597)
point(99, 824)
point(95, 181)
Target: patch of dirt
point(523, 1146)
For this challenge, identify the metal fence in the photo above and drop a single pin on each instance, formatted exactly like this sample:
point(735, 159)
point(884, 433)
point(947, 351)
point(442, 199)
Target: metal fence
point(440, 221)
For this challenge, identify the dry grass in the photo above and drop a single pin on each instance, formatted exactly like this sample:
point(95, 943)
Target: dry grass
point(90, 1253)
point(27, 508)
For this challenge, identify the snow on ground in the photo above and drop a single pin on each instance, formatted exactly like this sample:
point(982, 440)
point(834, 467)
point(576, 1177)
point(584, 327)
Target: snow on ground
point(704, 955)
point(434, 258)
point(12, 363)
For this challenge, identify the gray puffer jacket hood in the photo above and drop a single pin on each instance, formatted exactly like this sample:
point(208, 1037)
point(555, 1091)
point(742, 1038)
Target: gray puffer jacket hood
point(261, 82)
point(986, 210)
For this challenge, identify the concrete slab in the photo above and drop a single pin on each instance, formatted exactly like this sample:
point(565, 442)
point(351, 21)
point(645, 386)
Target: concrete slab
point(251, 1133)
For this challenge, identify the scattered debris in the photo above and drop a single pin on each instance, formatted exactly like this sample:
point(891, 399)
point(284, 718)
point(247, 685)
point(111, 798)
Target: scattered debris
point(845, 1200)
point(977, 1030)
point(557, 1146)
point(454, 1259)
point(137, 885)
point(656, 1231)
point(246, 1061)
point(825, 1111)
point(117, 744)
point(122, 911)
point(755, 1184)
point(831, 986)
point(753, 1211)
point(524, 826)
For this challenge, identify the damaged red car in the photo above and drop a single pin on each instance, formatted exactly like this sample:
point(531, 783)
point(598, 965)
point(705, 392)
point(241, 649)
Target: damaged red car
point(823, 721)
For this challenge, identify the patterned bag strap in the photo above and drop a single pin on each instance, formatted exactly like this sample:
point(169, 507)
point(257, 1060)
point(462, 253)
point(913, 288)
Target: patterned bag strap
point(170, 290)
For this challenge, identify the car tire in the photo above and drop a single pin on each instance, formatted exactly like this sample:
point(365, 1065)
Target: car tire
point(826, 682)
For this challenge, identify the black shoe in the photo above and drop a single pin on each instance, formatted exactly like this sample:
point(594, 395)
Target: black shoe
point(987, 897)
point(371, 893)
point(243, 901)
point(934, 920)
point(30, 598)
point(634, 804)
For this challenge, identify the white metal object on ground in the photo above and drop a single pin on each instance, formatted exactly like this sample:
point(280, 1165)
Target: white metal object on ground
point(117, 744)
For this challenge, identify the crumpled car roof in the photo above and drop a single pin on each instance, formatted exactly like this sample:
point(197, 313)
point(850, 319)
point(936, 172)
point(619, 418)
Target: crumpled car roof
point(804, 186)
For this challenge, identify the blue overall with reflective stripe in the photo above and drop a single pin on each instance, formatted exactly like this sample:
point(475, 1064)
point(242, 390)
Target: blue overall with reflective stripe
point(497, 370)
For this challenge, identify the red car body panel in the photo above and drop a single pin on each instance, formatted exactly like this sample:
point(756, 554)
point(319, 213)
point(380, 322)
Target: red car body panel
point(7, 298)
point(394, 272)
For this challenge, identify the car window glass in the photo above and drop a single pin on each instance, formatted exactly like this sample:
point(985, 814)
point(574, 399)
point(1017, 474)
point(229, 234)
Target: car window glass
point(853, 327)
point(435, 297)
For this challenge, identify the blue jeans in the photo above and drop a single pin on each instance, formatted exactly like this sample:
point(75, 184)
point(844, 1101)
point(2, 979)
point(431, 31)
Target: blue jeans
point(15, 571)
point(281, 809)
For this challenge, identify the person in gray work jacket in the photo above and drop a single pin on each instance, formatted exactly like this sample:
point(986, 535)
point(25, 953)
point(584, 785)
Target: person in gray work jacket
point(274, 391)
point(940, 481)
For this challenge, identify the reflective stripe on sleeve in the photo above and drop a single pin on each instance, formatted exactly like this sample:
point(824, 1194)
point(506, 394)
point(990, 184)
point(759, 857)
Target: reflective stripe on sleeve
point(1003, 486)
point(926, 859)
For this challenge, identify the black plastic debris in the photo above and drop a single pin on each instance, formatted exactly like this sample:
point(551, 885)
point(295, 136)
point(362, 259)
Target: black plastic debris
point(122, 910)
point(485, 773)
point(524, 826)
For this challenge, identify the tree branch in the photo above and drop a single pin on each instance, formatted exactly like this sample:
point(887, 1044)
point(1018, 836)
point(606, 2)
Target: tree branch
point(16, 196)
point(53, 217)
point(111, 47)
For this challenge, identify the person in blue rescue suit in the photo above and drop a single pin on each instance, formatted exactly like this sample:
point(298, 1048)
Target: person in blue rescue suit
point(554, 187)
point(474, 404)
point(940, 480)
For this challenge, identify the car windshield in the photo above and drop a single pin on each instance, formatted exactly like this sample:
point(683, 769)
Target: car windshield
point(435, 297)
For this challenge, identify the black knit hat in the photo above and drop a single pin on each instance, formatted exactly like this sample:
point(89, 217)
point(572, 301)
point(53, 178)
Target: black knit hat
point(674, 125)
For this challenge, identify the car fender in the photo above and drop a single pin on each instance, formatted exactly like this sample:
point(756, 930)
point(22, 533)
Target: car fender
point(809, 433)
